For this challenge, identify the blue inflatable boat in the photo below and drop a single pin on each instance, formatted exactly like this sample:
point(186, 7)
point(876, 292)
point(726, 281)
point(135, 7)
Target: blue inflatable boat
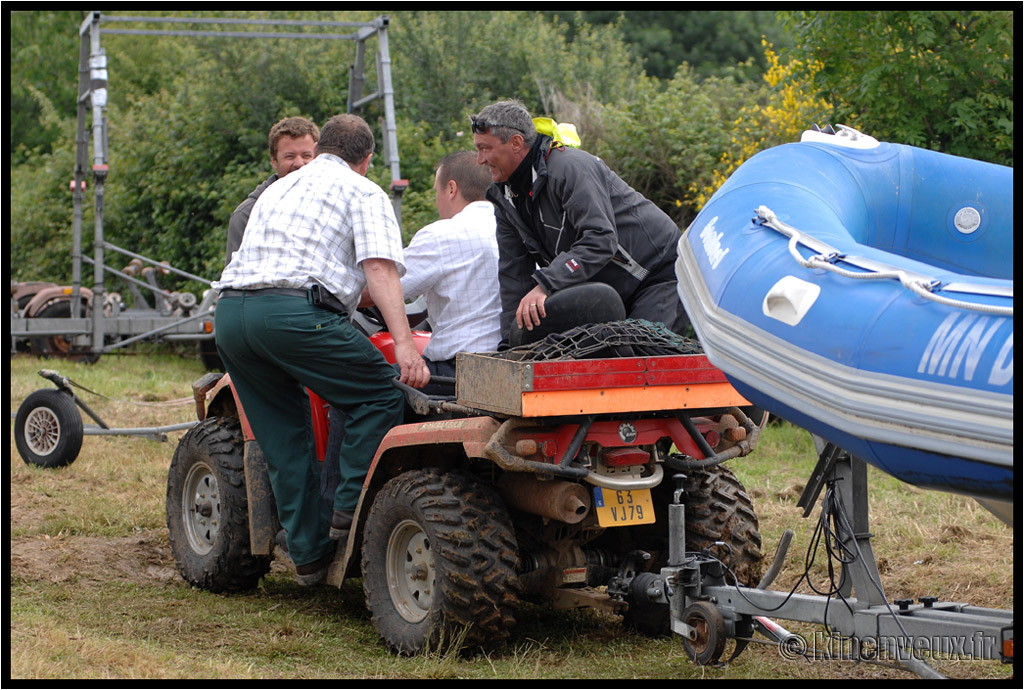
point(864, 291)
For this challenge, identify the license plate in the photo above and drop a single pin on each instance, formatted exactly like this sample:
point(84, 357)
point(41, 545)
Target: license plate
point(617, 507)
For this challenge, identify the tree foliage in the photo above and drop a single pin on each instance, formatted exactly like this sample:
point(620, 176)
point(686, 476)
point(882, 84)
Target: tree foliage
point(711, 42)
point(43, 78)
point(188, 117)
point(938, 79)
point(449, 65)
point(775, 113)
point(670, 136)
point(195, 147)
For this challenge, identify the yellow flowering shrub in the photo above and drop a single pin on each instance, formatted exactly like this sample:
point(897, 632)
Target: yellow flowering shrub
point(786, 109)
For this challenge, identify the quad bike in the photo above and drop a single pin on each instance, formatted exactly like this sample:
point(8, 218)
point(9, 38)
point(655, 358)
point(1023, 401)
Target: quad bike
point(544, 481)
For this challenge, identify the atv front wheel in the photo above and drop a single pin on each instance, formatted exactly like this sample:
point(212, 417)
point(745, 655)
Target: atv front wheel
point(439, 563)
point(207, 509)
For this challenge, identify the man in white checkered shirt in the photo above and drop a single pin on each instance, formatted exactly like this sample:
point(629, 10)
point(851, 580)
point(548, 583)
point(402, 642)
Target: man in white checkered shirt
point(315, 239)
point(453, 263)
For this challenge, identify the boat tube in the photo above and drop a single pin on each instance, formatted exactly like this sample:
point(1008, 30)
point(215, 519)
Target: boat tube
point(864, 291)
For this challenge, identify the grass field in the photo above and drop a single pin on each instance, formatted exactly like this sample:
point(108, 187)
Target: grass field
point(94, 593)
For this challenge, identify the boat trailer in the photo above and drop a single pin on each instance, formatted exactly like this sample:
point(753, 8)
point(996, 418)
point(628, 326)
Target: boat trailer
point(706, 610)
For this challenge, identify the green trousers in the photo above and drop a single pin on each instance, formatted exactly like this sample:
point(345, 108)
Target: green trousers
point(275, 346)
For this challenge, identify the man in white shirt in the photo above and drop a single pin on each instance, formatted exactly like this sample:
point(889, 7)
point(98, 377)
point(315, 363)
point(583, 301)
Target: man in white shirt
point(314, 240)
point(453, 264)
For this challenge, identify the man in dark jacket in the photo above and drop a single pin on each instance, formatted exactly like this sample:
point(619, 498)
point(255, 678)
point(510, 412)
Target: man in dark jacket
point(564, 218)
point(292, 144)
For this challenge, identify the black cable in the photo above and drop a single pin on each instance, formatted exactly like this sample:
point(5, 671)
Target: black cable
point(871, 576)
point(822, 533)
point(835, 549)
point(832, 524)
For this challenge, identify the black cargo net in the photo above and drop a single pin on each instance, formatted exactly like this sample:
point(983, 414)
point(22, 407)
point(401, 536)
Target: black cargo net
point(629, 338)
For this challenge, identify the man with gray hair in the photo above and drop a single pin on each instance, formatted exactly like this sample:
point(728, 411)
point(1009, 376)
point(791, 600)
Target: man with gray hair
point(564, 218)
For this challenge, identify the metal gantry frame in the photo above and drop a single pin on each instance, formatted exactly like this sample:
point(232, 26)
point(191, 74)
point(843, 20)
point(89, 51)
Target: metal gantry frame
point(92, 330)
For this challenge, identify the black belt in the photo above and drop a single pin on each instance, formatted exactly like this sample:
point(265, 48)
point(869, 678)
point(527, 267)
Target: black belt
point(316, 294)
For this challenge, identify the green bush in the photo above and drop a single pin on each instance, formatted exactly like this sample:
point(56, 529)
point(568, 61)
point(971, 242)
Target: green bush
point(938, 79)
point(188, 117)
point(41, 216)
point(670, 137)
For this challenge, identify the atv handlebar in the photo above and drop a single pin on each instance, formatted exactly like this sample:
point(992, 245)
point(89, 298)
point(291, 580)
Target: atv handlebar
point(423, 404)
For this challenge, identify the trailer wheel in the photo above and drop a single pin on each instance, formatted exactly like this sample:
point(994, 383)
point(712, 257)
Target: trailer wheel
point(48, 429)
point(718, 509)
point(207, 509)
point(439, 563)
point(58, 345)
point(708, 638)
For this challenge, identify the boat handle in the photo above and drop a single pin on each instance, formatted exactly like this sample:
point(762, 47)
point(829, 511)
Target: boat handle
point(922, 286)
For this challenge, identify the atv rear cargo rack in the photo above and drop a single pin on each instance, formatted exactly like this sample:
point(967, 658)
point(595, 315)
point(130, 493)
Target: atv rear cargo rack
point(498, 382)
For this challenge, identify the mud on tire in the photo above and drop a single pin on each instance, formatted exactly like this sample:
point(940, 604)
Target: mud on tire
point(439, 563)
point(719, 509)
point(207, 509)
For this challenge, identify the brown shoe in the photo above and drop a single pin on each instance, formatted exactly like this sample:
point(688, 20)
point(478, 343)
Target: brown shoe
point(314, 573)
point(341, 523)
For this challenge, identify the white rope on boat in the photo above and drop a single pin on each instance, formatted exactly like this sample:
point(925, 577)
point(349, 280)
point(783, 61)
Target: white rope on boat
point(922, 287)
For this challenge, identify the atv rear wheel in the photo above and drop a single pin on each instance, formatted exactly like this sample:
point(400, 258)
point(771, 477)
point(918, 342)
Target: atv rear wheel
point(439, 563)
point(207, 509)
point(719, 509)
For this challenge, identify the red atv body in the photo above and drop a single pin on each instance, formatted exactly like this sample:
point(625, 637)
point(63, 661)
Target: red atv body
point(554, 491)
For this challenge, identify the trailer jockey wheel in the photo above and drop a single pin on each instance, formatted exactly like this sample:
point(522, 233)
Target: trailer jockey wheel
point(48, 429)
point(718, 509)
point(708, 641)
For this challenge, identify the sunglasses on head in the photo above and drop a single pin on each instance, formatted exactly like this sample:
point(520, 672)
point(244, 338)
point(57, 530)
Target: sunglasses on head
point(481, 126)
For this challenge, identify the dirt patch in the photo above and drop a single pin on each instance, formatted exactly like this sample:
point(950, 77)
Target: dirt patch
point(141, 558)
